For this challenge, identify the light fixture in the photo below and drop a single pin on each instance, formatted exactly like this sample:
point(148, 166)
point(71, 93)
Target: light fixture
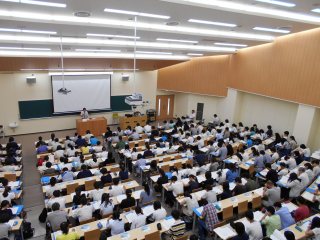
point(212, 23)
point(78, 69)
point(78, 73)
point(96, 50)
point(25, 48)
point(230, 44)
point(195, 54)
point(176, 40)
point(41, 3)
point(276, 30)
point(113, 23)
point(140, 14)
point(279, 3)
point(243, 8)
point(160, 53)
point(26, 31)
point(317, 10)
point(111, 36)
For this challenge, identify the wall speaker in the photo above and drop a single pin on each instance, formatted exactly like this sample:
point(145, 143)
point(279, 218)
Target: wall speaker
point(125, 77)
point(31, 80)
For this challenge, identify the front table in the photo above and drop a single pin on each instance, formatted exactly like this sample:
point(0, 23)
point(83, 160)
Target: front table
point(97, 126)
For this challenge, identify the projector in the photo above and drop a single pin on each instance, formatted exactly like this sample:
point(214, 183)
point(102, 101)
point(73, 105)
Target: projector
point(64, 91)
point(134, 100)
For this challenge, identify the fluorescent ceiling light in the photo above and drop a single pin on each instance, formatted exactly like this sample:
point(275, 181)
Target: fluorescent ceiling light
point(16, 1)
point(317, 10)
point(78, 73)
point(243, 8)
point(26, 31)
point(78, 69)
point(175, 40)
point(136, 13)
point(111, 36)
point(212, 23)
point(276, 30)
point(23, 48)
point(96, 50)
point(145, 26)
point(161, 53)
point(230, 44)
point(276, 2)
point(195, 54)
point(42, 3)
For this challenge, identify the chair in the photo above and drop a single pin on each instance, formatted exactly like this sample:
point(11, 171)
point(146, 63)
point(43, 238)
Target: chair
point(166, 159)
point(87, 221)
point(126, 180)
point(256, 202)
point(11, 177)
point(92, 235)
point(251, 170)
point(106, 215)
point(88, 185)
point(144, 136)
point(165, 168)
point(178, 165)
point(177, 156)
point(190, 162)
point(71, 188)
point(141, 143)
point(114, 169)
point(132, 144)
point(153, 236)
point(125, 138)
point(242, 207)
point(227, 213)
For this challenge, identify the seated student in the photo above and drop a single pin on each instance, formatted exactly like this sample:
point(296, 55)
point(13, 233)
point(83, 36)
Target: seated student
point(274, 154)
point(239, 188)
point(271, 221)
point(4, 227)
point(5, 211)
point(302, 211)
point(295, 186)
point(84, 173)
point(116, 225)
point(303, 176)
point(116, 190)
point(175, 188)
point(250, 184)
point(129, 201)
point(297, 157)
point(49, 169)
point(309, 171)
point(226, 193)
point(139, 220)
point(93, 141)
point(66, 175)
point(141, 162)
point(232, 173)
point(146, 196)
point(178, 228)
point(258, 161)
point(253, 228)
point(163, 179)
point(123, 174)
point(12, 145)
point(52, 188)
point(80, 142)
point(283, 170)
point(159, 212)
point(314, 229)
point(103, 154)
point(106, 206)
point(188, 204)
point(42, 148)
point(97, 192)
point(271, 194)
point(85, 149)
point(210, 195)
point(77, 196)
point(209, 180)
point(106, 176)
point(240, 230)
point(207, 220)
point(285, 216)
point(193, 183)
point(56, 217)
point(84, 211)
point(316, 167)
point(57, 198)
point(66, 235)
point(40, 141)
point(7, 195)
point(222, 152)
point(272, 174)
point(148, 153)
point(305, 152)
point(59, 152)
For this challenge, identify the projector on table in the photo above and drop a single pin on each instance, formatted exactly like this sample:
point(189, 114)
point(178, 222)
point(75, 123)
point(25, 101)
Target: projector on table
point(134, 100)
point(64, 91)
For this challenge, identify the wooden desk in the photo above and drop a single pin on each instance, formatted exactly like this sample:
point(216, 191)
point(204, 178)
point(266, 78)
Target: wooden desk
point(124, 122)
point(97, 126)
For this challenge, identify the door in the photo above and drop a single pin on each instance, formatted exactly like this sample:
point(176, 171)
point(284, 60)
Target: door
point(199, 115)
point(165, 105)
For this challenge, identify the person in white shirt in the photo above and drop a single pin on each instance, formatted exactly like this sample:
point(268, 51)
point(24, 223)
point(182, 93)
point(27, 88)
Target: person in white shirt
point(159, 212)
point(316, 167)
point(68, 142)
point(57, 198)
point(216, 120)
point(306, 152)
point(309, 171)
point(253, 228)
point(106, 206)
point(103, 154)
point(84, 114)
point(96, 194)
point(283, 170)
point(192, 116)
point(59, 152)
point(295, 185)
point(70, 151)
point(147, 128)
point(139, 129)
point(303, 176)
point(116, 225)
point(200, 142)
point(190, 139)
point(116, 190)
point(7, 195)
point(313, 231)
point(290, 161)
point(175, 188)
point(209, 195)
point(139, 220)
point(84, 211)
point(188, 204)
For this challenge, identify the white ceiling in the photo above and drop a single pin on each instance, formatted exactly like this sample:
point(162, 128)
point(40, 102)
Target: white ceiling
point(178, 12)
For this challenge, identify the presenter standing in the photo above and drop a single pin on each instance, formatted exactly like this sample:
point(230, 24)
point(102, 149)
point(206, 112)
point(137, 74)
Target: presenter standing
point(84, 114)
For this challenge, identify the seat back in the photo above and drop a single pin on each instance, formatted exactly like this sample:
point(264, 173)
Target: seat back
point(177, 156)
point(11, 177)
point(144, 136)
point(165, 168)
point(178, 165)
point(166, 159)
point(71, 188)
point(227, 213)
point(88, 185)
point(141, 143)
point(87, 221)
point(256, 202)
point(92, 235)
point(115, 169)
point(243, 207)
point(153, 236)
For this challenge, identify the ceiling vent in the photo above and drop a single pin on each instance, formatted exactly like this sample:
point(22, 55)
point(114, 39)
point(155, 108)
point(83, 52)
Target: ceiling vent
point(82, 14)
point(173, 23)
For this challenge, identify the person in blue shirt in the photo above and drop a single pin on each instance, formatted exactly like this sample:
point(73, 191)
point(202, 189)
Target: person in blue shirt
point(93, 141)
point(232, 173)
point(80, 141)
point(84, 173)
point(123, 174)
point(66, 175)
point(42, 148)
point(285, 216)
point(249, 141)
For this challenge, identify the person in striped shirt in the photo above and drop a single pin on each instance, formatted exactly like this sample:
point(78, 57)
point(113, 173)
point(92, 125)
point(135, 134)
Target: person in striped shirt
point(178, 228)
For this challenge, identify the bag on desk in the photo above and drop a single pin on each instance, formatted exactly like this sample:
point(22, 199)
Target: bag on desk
point(43, 215)
point(27, 230)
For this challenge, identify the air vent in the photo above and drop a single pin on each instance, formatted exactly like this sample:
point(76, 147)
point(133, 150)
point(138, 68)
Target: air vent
point(82, 14)
point(285, 28)
point(174, 23)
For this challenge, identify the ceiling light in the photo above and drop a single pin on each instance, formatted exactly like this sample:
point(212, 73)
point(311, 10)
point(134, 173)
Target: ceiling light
point(175, 40)
point(26, 31)
point(195, 54)
point(95, 50)
point(78, 73)
point(317, 10)
point(276, 30)
point(16, 1)
point(111, 36)
point(42, 3)
point(78, 69)
point(161, 53)
point(23, 48)
point(136, 13)
point(242, 8)
point(212, 23)
point(145, 26)
point(276, 2)
point(230, 44)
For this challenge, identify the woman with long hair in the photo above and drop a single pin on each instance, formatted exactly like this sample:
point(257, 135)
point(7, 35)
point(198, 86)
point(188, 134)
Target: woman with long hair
point(146, 196)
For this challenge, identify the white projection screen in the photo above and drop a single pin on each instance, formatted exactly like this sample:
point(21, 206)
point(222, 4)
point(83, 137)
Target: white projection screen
point(92, 92)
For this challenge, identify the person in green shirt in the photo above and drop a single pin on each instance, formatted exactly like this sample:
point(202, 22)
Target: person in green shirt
point(64, 227)
point(121, 144)
point(271, 221)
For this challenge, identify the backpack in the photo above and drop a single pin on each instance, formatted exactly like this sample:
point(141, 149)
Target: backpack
point(43, 215)
point(27, 230)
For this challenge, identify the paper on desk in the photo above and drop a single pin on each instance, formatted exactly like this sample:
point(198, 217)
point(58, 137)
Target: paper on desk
point(14, 210)
point(96, 205)
point(277, 235)
point(121, 197)
point(11, 223)
point(258, 215)
point(204, 149)
point(305, 225)
point(14, 184)
point(167, 223)
point(225, 232)
point(148, 210)
point(291, 207)
point(259, 191)
point(130, 216)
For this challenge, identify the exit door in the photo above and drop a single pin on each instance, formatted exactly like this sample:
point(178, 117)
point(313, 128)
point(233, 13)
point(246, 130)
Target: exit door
point(165, 104)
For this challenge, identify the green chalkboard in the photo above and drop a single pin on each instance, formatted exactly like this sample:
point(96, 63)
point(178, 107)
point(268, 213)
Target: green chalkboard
point(44, 108)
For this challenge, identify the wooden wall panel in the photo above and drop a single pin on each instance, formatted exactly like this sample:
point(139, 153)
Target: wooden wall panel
point(288, 68)
point(205, 75)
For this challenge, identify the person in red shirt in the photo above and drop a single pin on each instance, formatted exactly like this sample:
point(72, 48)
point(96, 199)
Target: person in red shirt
point(302, 211)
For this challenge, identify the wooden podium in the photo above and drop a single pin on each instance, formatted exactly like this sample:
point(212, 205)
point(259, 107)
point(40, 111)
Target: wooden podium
point(97, 126)
point(124, 122)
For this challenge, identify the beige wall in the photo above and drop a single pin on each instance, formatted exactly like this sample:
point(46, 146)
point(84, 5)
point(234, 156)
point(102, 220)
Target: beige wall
point(13, 88)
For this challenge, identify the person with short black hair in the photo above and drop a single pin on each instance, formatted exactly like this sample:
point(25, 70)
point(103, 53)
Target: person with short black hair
point(207, 220)
point(271, 194)
point(240, 230)
point(178, 228)
point(116, 225)
point(272, 174)
point(314, 228)
point(140, 219)
point(159, 212)
point(289, 235)
point(84, 211)
point(116, 189)
point(285, 216)
point(253, 228)
point(239, 188)
point(302, 211)
point(64, 227)
point(129, 201)
point(271, 221)
point(56, 217)
point(84, 173)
